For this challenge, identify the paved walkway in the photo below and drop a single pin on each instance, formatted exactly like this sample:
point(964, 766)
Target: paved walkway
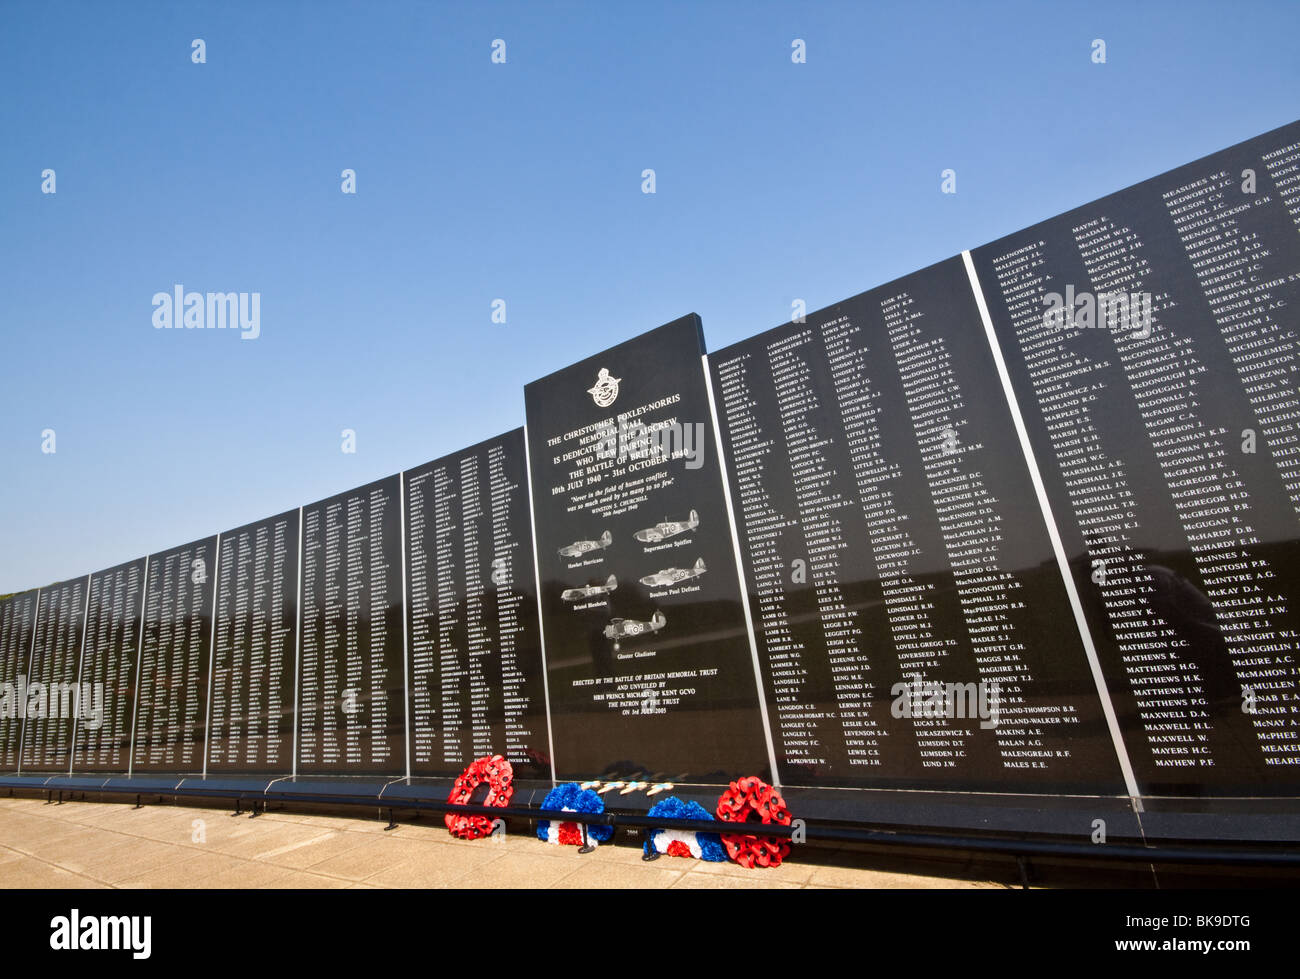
point(98, 844)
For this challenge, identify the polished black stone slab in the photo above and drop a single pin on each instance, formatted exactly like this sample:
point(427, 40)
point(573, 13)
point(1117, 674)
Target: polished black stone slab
point(647, 649)
point(474, 667)
point(52, 696)
point(351, 710)
point(1167, 428)
point(894, 547)
point(107, 678)
point(175, 659)
point(17, 623)
point(251, 701)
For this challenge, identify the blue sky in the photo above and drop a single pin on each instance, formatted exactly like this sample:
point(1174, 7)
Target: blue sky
point(519, 181)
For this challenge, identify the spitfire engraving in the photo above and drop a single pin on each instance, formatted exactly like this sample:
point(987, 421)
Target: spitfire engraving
point(668, 528)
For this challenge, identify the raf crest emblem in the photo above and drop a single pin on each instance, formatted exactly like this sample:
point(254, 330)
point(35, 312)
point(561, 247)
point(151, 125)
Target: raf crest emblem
point(605, 390)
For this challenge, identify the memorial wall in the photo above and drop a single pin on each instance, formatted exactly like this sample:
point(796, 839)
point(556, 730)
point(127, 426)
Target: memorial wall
point(17, 627)
point(171, 719)
point(1023, 522)
point(351, 714)
point(250, 714)
point(474, 655)
point(648, 656)
point(52, 694)
point(896, 553)
point(106, 679)
point(1151, 339)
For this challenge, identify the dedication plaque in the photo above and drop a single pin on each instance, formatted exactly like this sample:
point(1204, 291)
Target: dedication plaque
point(1151, 338)
point(102, 736)
point(648, 657)
point(475, 667)
point(914, 629)
point(53, 696)
point(251, 712)
point(351, 715)
point(17, 622)
point(175, 654)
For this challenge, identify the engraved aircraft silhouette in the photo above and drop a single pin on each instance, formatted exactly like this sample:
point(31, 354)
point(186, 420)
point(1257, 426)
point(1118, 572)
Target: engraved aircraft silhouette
point(586, 591)
point(671, 576)
point(619, 629)
point(669, 528)
point(580, 547)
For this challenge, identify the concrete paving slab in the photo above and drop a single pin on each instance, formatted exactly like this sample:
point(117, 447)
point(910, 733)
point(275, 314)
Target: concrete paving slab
point(360, 862)
point(108, 844)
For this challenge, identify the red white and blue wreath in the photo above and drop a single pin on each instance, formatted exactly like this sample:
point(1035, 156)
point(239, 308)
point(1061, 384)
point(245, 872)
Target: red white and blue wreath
point(680, 842)
point(572, 797)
